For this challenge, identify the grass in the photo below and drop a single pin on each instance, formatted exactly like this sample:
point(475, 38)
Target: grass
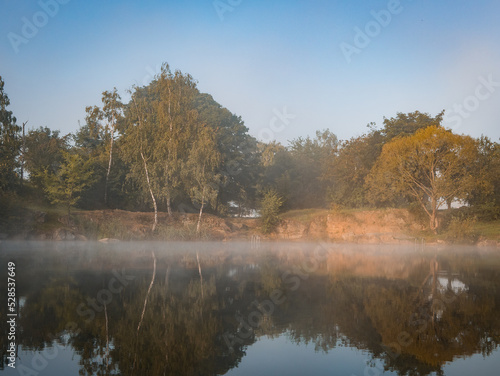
point(489, 230)
point(304, 215)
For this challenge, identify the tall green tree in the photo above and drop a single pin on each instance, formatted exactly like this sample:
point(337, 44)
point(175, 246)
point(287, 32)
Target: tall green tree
point(430, 167)
point(112, 112)
point(172, 101)
point(139, 147)
point(159, 132)
point(10, 142)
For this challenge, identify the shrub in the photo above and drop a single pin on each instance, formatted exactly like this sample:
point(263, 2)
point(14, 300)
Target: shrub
point(271, 204)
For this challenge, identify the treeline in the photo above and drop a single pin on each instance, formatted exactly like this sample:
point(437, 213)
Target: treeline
point(172, 148)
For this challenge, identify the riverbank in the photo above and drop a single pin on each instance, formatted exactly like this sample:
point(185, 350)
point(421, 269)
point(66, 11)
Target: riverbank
point(380, 226)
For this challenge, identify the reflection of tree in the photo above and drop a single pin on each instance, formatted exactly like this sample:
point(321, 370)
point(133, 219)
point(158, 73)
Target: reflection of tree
point(421, 329)
point(406, 313)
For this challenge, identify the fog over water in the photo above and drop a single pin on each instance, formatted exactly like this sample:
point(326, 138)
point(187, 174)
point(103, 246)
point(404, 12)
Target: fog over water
point(193, 308)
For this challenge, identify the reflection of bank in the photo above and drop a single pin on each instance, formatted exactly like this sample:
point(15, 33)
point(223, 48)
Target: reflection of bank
point(380, 300)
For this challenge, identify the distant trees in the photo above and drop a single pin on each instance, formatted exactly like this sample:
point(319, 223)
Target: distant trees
point(296, 173)
point(347, 171)
point(173, 148)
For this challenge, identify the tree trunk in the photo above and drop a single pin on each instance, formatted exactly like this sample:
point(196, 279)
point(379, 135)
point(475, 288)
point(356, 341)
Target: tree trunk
point(151, 192)
point(23, 153)
point(449, 202)
point(169, 207)
point(109, 169)
point(198, 226)
point(434, 220)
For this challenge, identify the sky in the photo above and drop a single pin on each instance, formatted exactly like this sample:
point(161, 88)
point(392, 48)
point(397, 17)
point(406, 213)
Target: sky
point(288, 68)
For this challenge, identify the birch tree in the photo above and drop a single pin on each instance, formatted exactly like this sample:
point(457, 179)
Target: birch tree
point(112, 112)
point(172, 100)
point(200, 170)
point(139, 147)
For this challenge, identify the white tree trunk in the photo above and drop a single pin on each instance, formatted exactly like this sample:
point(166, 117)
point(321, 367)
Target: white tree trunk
point(198, 227)
point(109, 168)
point(151, 192)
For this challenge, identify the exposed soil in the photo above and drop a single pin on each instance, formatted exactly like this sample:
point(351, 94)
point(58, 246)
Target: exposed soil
point(389, 226)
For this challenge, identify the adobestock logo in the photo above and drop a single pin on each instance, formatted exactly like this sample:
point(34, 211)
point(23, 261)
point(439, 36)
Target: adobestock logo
point(460, 111)
point(225, 6)
point(282, 118)
point(39, 19)
point(363, 37)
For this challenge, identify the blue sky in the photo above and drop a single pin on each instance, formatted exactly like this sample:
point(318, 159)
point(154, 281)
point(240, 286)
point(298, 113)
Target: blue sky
point(261, 58)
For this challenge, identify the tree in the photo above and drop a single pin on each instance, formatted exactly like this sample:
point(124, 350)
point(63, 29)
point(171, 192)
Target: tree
point(239, 155)
point(139, 148)
point(172, 101)
point(200, 170)
point(486, 194)
point(66, 185)
point(347, 169)
point(10, 143)
point(309, 160)
point(431, 167)
point(44, 153)
point(112, 111)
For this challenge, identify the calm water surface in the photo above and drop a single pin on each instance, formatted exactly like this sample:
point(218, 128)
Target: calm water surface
point(242, 309)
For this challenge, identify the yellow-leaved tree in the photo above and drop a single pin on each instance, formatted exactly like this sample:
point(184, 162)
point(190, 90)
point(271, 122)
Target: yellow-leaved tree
point(434, 166)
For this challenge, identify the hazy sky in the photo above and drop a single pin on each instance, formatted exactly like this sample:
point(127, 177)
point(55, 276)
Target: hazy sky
point(287, 68)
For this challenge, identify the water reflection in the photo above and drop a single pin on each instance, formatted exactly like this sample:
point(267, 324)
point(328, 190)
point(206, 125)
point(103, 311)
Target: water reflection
point(412, 312)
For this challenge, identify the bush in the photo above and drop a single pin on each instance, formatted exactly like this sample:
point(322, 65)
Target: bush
point(271, 204)
point(461, 229)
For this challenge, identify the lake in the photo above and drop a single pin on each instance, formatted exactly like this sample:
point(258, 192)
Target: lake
point(248, 309)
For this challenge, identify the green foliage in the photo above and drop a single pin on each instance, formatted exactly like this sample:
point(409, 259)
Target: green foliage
point(72, 178)
point(270, 208)
point(239, 167)
point(44, 153)
point(408, 124)
point(10, 143)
